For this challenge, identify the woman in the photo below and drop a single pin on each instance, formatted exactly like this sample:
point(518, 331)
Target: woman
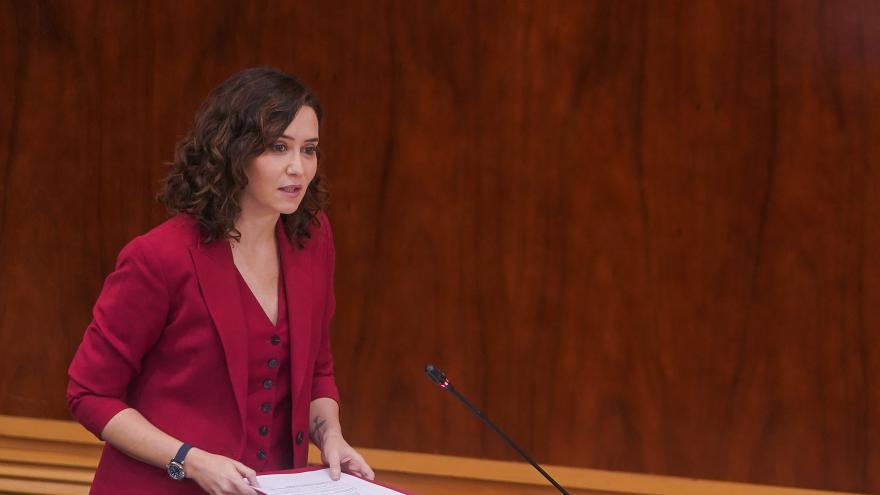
point(208, 358)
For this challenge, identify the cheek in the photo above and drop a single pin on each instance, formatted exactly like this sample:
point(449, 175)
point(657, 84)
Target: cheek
point(256, 171)
point(264, 174)
point(311, 170)
point(254, 182)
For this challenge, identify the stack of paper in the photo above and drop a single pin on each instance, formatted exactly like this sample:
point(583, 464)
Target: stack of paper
point(318, 482)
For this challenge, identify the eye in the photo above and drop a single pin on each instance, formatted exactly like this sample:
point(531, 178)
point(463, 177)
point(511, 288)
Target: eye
point(310, 150)
point(279, 147)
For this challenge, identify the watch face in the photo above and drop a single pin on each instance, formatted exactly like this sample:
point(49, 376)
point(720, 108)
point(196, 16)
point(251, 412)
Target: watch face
point(175, 471)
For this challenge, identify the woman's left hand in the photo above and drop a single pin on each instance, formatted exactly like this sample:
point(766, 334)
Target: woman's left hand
point(339, 456)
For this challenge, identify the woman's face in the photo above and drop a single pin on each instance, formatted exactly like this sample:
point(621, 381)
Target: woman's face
point(278, 178)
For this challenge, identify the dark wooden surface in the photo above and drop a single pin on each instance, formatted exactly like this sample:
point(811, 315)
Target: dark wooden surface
point(642, 236)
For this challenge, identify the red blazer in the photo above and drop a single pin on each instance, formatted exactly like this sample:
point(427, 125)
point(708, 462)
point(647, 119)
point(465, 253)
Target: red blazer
point(168, 339)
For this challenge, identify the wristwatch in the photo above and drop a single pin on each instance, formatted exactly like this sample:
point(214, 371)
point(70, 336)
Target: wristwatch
point(175, 466)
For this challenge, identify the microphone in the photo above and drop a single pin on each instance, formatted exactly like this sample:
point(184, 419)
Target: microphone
point(439, 378)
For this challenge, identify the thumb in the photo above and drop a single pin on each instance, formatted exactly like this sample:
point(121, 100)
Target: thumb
point(333, 463)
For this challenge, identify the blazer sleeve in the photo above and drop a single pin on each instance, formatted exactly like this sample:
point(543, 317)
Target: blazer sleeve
point(128, 318)
point(323, 379)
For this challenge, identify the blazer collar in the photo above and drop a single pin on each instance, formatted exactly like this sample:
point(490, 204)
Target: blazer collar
point(298, 286)
point(215, 271)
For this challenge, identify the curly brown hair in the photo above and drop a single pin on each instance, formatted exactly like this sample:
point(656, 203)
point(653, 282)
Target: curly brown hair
point(238, 121)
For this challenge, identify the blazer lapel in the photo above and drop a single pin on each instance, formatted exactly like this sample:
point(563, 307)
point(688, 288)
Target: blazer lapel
point(215, 271)
point(298, 287)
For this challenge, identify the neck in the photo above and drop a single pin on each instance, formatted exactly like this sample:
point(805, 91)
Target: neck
point(256, 229)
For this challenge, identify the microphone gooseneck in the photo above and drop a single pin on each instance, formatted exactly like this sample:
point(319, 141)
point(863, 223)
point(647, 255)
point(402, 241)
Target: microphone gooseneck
point(440, 379)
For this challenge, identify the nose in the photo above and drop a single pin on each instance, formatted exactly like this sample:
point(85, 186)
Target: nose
point(295, 165)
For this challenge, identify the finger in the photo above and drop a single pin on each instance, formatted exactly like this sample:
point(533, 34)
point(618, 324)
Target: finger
point(243, 489)
point(333, 462)
point(240, 486)
point(235, 485)
point(251, 476)
point(255, 488)
point(350, 464)
point(360, 466)
point(248, 473)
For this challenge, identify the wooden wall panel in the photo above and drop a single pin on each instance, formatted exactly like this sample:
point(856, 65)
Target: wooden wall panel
point(639, 234)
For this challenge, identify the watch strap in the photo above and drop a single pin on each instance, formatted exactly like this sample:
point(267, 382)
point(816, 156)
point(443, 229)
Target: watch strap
point(181, 453)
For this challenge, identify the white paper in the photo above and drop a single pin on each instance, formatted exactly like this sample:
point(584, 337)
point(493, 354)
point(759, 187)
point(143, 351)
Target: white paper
point(319, 483)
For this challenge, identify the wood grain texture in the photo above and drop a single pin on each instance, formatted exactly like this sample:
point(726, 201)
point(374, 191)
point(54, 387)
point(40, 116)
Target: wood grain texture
point(640, 235)
point(44, 450)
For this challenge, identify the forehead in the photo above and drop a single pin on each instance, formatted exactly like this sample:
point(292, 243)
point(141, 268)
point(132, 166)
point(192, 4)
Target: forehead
point(304, 125)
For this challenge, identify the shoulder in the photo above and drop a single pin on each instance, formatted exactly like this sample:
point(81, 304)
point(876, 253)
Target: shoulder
point(322, 235)
point(318, 236)
point(167, 242)
point(316, 248)
point(323, 227)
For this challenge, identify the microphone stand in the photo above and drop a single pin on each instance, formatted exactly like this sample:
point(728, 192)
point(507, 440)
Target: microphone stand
point(440, 379)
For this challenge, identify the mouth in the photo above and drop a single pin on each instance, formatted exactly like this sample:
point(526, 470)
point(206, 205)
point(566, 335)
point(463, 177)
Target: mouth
point(291, 189)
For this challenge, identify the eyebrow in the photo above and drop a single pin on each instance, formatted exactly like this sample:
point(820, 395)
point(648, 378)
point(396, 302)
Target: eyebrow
point(310, 140)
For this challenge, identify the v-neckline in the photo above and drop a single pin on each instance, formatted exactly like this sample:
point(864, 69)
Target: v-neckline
point(278, 295)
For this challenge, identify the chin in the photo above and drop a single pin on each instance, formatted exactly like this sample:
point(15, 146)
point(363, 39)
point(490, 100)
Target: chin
point(289, 210)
